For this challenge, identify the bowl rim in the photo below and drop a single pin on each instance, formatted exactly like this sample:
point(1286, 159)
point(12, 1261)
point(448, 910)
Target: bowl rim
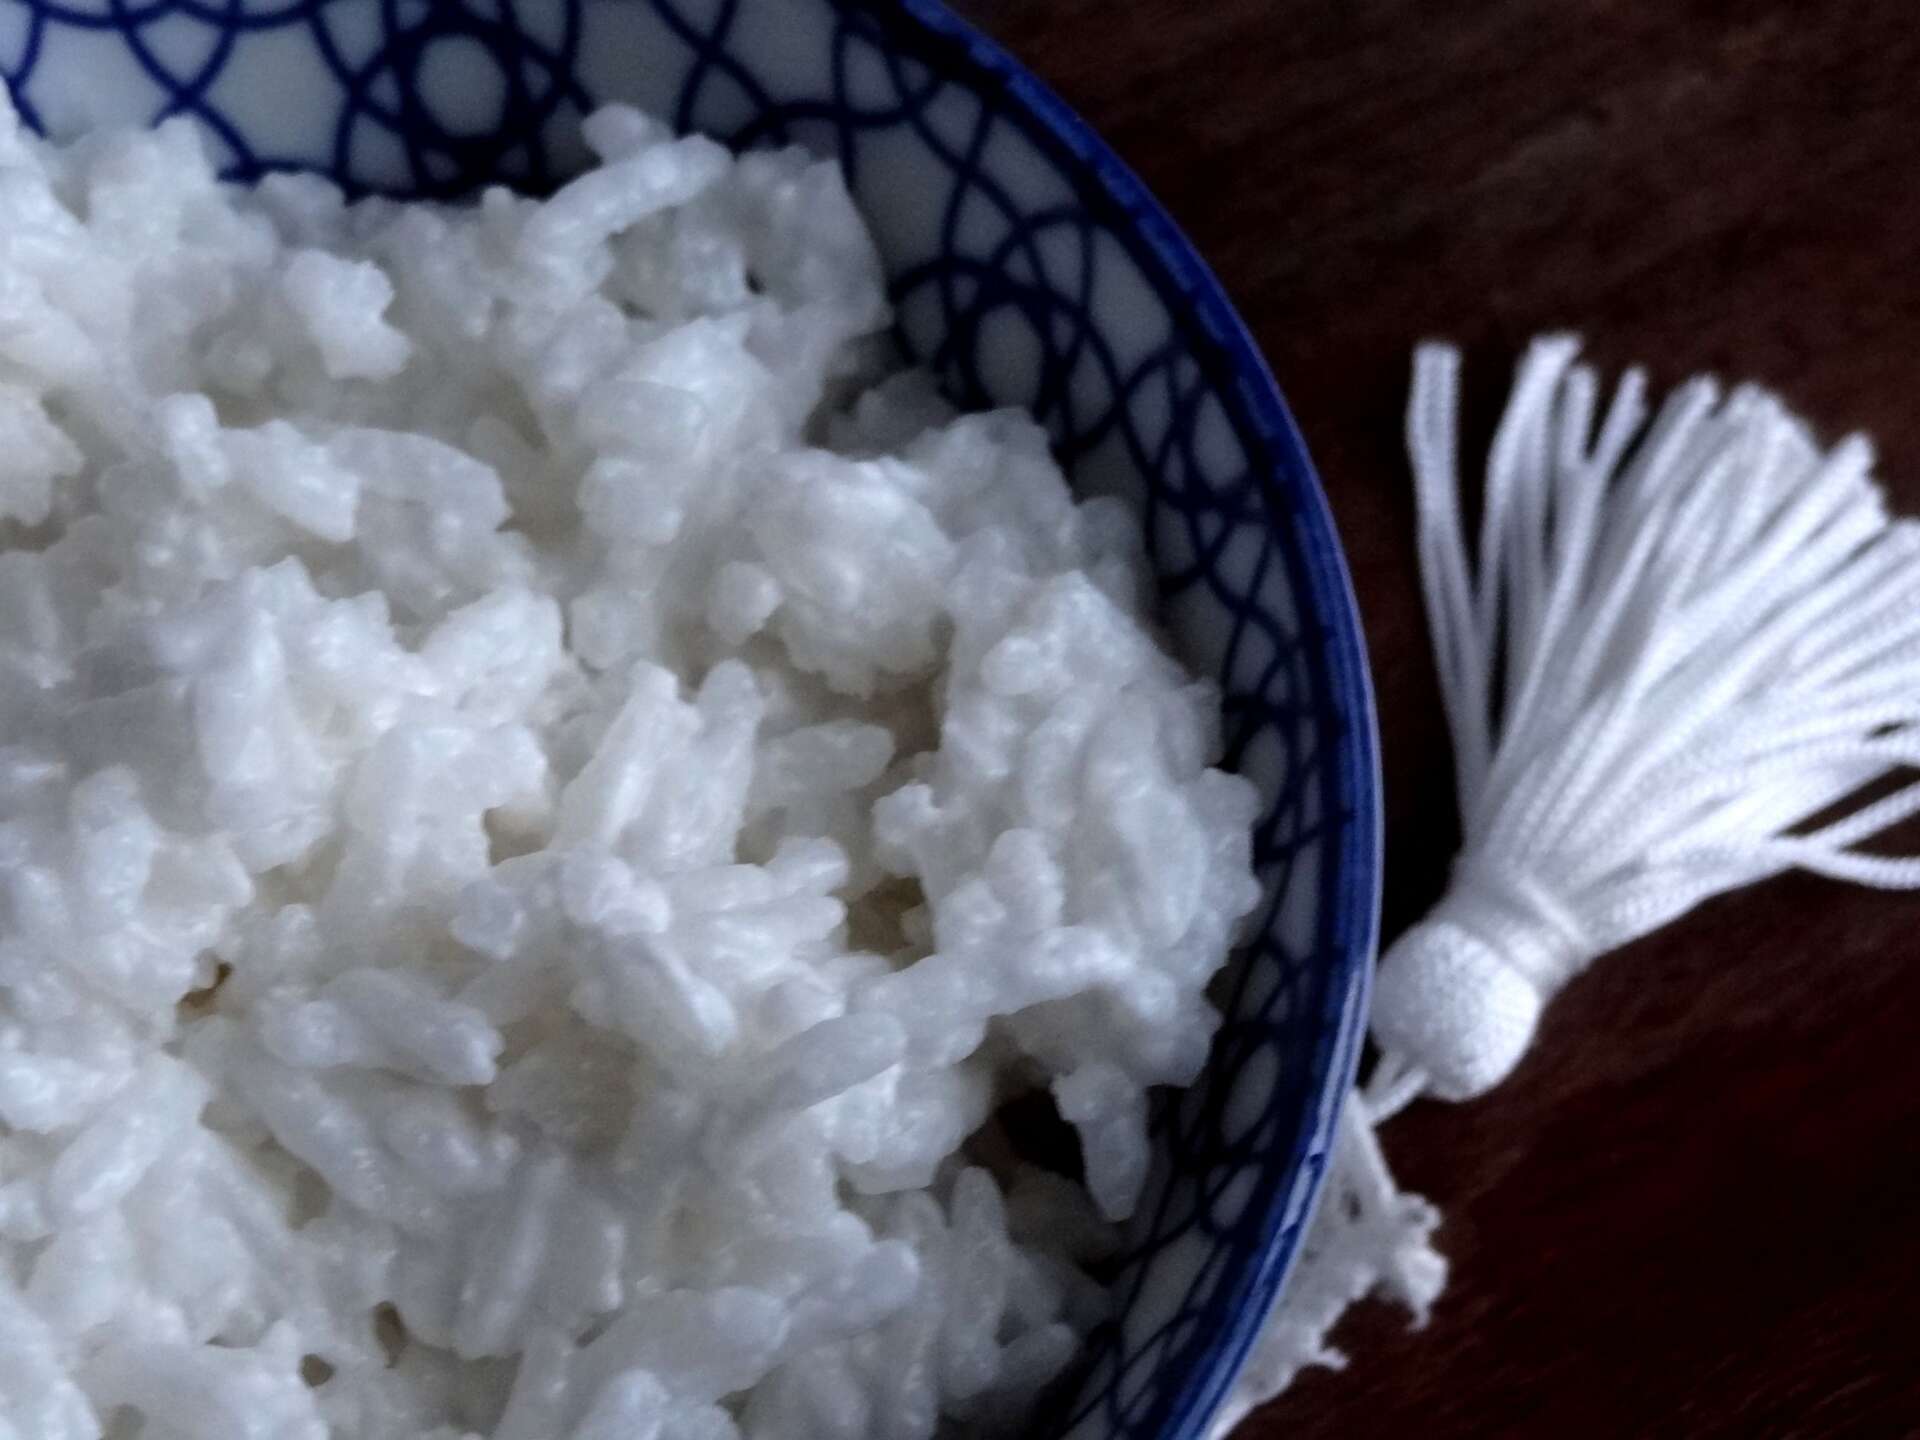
point(1292, 484)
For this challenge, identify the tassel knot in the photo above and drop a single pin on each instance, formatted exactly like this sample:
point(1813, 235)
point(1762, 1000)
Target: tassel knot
point(1459, 996)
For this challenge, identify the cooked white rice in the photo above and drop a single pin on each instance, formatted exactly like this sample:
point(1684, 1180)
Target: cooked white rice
point(536, 828)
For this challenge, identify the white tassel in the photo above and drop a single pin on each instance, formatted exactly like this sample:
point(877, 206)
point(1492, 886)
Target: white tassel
point(1677, 646)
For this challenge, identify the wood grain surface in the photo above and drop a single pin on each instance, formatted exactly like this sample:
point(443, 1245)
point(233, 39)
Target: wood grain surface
point(1696, 1210)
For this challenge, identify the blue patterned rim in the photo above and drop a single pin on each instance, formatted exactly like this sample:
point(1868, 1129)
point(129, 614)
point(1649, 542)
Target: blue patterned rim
point(1352, 887)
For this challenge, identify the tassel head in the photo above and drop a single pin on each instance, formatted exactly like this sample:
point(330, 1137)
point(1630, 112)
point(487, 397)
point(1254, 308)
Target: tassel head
point(1460, 994)
point(1447, 1000)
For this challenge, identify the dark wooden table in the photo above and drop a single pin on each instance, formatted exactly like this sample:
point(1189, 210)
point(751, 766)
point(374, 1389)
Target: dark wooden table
point(1696, 1210)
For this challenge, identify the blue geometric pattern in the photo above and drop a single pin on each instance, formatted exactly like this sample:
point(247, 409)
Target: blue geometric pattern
point(1028, 267)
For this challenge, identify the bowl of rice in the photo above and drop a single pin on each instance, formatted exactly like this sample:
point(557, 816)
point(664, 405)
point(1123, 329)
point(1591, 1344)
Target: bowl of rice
point(684, 752)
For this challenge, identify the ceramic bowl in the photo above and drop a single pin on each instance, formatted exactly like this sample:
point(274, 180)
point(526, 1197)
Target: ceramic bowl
point(1028, 267)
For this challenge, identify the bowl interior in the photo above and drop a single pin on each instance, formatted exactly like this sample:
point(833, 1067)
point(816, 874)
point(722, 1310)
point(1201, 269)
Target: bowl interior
point(1028, 267)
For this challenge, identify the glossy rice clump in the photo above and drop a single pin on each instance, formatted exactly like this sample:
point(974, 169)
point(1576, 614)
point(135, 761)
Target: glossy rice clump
point(545, 802)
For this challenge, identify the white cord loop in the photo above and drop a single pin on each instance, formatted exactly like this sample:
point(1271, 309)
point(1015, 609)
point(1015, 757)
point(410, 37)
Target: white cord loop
point(1367, 1235)
point(1678, 643)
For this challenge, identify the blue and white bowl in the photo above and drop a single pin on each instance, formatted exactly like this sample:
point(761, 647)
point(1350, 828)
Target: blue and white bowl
point(1028, 267)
